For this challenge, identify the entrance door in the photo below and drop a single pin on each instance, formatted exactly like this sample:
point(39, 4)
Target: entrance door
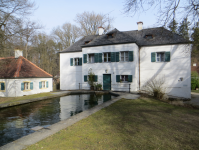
point(106, 81)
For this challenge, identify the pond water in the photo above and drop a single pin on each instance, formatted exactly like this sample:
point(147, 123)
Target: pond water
point(16, 122)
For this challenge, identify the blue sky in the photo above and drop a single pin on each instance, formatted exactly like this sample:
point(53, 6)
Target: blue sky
point(51, 13)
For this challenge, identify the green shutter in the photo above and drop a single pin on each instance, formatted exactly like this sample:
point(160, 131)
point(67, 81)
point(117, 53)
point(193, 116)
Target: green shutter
point(80, 61)
point(85, 58)
point(2, 86)
point(100, 57)
point(96, 57)
point(117, 78)
point(117, 56)
point(153, 57)
point(167, 56)
point(112, 56)
point(40, 85)
point(95, 78)
point(71, 62)
point(46, 84)
point(31, 85)
point(130, 78)
point(130, 55)
point(22, 86)
point(85, 78)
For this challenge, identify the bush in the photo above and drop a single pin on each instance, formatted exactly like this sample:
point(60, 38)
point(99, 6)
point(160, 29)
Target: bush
point(194, 80)
point(155, 87)
point(98, 86)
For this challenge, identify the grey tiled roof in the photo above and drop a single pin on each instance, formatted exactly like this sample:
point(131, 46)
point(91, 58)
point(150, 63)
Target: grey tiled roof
point(161, 36)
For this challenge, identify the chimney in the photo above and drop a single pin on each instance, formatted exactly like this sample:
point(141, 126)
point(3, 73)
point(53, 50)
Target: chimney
point(100, 30)
point(139, 25)
point(18, 53)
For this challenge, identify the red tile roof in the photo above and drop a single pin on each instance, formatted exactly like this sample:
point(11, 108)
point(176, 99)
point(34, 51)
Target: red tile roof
point(11, 67)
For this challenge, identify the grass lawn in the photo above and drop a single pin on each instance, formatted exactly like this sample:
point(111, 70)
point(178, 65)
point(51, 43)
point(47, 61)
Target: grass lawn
point(15, 99)
point(195, 91)
point(130, 124)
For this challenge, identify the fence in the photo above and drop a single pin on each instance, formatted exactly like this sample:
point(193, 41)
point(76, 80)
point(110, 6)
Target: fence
point(113, 87)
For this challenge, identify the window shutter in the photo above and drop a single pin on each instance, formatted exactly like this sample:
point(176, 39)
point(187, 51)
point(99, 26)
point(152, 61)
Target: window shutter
point(130, 78)
point(117, 78)
point(153, 57)
point(71, 62)
point(100, 57)
point(40, 85)
point(22, 86)
point(167, 56)
point(85, 58)
point(31, 85)
point(130, 55)
point(95, 78)
point(2, 86)
point(80, 61)
point(85, 78)
point(117, 56)
point(46, 84)
point(112, 56)
point(96, 58)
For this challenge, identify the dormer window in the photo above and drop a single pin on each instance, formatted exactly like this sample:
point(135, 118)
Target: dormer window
point(86, 42)
point(110, 36)
point(149, 36)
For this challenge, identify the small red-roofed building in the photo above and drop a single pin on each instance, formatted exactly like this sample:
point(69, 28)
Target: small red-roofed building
point(19, 77)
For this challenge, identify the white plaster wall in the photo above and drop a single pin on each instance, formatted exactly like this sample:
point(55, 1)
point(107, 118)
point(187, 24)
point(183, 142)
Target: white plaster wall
point(70, 76)
point(179, 66)
point(114, 68)
point(13, 87)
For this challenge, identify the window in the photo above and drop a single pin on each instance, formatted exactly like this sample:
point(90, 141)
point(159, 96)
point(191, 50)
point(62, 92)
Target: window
point(2, 86)
point(107, 57)
point(124, 56)
point(26, 86)
point(124, 78)
point(91, 58)
point(160, 56)
point(43, 84)
point(76, 61)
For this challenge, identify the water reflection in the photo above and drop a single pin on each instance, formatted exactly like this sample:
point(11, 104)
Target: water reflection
point(17, 121)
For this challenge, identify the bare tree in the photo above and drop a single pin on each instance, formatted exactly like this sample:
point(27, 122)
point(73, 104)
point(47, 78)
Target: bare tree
point(90, 21)
point(167, 9)
point(66, 35)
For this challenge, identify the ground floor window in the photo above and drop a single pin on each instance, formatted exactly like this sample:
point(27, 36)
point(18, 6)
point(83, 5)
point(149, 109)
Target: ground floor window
point(43, 84)
point(2, 86)
point(124, 78)
point(27, 85)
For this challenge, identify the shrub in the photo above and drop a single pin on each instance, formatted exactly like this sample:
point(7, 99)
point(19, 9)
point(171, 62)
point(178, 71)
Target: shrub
point(155, 87)
point(194, 80)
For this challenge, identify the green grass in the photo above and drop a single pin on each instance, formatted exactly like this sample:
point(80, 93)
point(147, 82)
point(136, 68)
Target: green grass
point(195, 91)
point(15, 99)
point(130, 124)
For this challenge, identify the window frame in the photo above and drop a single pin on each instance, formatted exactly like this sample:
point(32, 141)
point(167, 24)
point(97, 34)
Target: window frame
point(124, 56)
point(93, 54)
point(124, 81)
point(45, 83)
point(28, 82)
point(160, 57)
point(74, 59)
point(106, 53)
point(4, 86)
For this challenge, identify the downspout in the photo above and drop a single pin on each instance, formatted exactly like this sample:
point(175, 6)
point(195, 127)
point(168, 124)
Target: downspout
point(139, 67)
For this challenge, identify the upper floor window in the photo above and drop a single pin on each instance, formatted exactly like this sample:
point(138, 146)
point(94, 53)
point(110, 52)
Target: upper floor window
point(124, 56)
point(160, 56)
point(91, 58)
point(107, 57)
point(76, 61)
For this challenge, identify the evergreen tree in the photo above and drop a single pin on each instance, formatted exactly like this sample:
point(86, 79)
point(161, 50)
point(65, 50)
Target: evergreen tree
point(173, 26)
point(195, 37)
point(184, 28)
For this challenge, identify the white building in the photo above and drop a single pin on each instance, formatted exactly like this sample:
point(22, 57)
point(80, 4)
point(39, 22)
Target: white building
point(130, 58)
point(19, 77)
